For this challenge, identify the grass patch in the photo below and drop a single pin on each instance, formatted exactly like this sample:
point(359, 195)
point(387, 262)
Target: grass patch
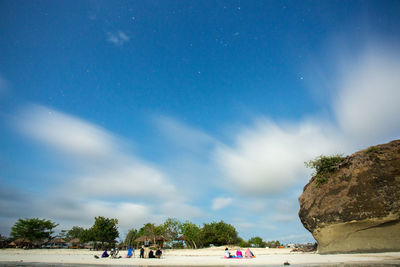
point(372, 149)
point(324, 166)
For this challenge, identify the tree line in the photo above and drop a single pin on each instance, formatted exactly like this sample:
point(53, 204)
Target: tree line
point(173, 233)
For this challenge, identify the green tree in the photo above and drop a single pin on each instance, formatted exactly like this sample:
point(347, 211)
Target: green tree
point(243, 243)
point(273, 244)
point(192, 234)
point(105, 230)
point(171, 229)
point(34, 229)
point(219, 233)
point(150, 230)
point(74, 233)
point(86, 235)
point(256, 242)
point(131, 236)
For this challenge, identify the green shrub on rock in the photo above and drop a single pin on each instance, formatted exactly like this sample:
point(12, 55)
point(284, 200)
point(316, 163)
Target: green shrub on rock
point(324, 166)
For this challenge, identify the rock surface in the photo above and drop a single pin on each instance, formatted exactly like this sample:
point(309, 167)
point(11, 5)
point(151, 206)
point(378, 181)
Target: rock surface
point(358, 209)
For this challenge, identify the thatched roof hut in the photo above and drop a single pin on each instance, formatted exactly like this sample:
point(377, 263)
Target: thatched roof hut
point(57, 241)
point(181, 238)
point(22, 242)
point(75, 241)
point(160, 238)
point(143, 238)
point(152, 239)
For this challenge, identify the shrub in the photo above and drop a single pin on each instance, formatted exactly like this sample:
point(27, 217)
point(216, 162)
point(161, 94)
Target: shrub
point(324, 166)
point(372, 149)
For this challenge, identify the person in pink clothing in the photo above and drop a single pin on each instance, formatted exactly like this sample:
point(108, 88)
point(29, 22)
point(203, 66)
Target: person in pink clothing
point(249, 254)
point(239, 253)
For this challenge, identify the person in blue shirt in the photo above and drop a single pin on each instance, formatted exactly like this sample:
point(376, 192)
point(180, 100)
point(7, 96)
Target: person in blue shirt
point(131, 252)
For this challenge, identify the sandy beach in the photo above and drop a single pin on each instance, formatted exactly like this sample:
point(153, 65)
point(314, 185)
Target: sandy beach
point(208, 256)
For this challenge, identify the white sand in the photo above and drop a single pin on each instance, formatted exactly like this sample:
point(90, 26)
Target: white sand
point(208, 256)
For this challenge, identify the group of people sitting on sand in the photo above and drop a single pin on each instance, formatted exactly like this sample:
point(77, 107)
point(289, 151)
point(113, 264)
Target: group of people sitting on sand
point(248, 254)
point(131, 253)
point(150, 253)
point(113, 254)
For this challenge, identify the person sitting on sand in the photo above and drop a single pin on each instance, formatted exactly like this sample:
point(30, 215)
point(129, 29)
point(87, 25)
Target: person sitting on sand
point(227, 254)
point(151, 254)
point(114, 254)
point(249, 254)
point(158, 252)
point(130, 252)
point(239, 253)
point(105, 254)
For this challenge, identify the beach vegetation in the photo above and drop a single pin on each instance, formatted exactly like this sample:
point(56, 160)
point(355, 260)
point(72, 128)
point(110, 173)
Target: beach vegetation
point(150, 230)
point(105, 230)
point(170, 234)
point(218, 234)
point(243, 243)
point(86, 236)
point(372, 149)
point(131, 237)
point(33, 229)
point(324, 166)
point(75, 232)
point(171, 229)
point(272, 244)
point(256, 242)
point(192, 234)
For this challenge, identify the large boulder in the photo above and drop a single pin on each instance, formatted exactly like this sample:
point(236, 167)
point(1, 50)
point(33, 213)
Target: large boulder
point(358, 208)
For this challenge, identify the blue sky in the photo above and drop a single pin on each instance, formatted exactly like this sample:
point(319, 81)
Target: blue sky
point(199, 110)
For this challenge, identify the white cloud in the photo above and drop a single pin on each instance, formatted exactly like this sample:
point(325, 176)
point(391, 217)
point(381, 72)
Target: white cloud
point(134, 180)
point(367, 107)
point(103, 175)
point(189, 155)
point(221, 202)
point(119, 38)
point(267, 158)
point(187, 138)
point(65, 133)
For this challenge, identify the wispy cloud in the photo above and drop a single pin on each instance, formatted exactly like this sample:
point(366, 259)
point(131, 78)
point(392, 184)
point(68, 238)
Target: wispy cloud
point(102, 171)
point(221, 202)
point(367, 105)
point(117, 38)
point(65, 133)
point(268, 157)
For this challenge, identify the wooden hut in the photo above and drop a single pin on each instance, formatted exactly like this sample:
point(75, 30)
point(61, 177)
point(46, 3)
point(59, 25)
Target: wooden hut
point(22, 243)
point(75, 243)
point(57, 243)
point(157, 240)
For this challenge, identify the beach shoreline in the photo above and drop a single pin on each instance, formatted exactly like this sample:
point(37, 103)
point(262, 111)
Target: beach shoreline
point(194, 257)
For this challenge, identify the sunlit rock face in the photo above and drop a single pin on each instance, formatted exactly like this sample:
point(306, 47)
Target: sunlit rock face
point(358, 209)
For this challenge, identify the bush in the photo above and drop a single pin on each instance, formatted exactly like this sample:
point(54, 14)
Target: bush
point(372, 149)
point(324, 166)
point(243, 243)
